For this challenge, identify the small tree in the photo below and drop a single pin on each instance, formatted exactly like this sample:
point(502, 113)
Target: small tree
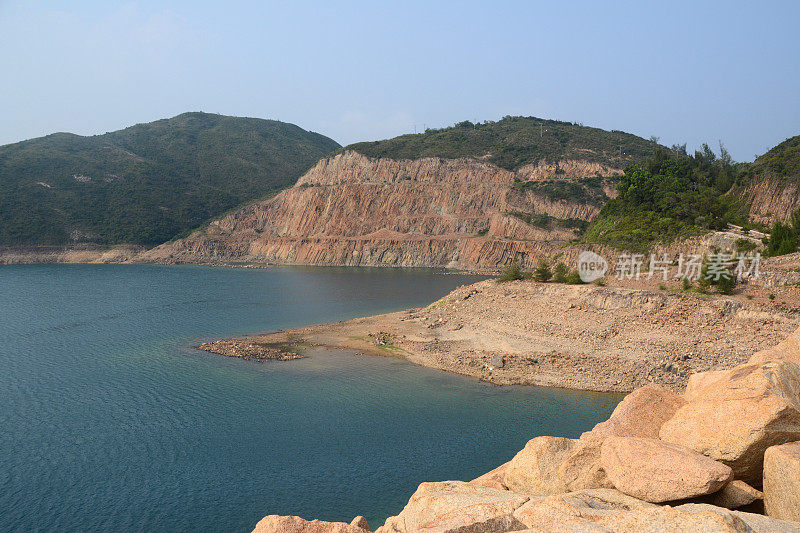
point(726, 284)
point(574, 278)
point(542, 272)
point(560, 273)
point(511, 273)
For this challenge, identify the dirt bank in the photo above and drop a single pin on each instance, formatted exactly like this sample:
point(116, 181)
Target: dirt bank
point(574, 336)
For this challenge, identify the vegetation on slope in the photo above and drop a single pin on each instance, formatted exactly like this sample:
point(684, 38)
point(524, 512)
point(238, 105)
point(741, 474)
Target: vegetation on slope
point(781, 161)
point(671, 195)
point(147, 183)
point(515, 141)
point(588, 190)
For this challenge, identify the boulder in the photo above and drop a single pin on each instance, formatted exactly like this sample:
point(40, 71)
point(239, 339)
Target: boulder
point(608, 510)
point(295, 524)
point(534, 470)
point(581, 468)
point(360, 522)
point(492, 479)
point(640, 414)
point(736, 494)
point(655, 471)
point(782, 481)
point(581, 510)
point(451, 506)
point(699, 381)
point(738, 414)
point(755, 523)
point(786, 350)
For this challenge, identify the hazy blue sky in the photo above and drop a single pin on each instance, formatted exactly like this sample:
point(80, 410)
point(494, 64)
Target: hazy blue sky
point(684, 71)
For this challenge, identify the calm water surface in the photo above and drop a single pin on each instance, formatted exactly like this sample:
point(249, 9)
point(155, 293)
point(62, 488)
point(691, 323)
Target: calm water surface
point(109, 420)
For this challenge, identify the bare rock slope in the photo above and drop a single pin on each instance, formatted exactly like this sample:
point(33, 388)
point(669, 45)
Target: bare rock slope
point(350, 209)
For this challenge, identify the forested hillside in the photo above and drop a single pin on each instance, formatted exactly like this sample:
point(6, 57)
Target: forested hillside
point(516, 141)
point(147, 183)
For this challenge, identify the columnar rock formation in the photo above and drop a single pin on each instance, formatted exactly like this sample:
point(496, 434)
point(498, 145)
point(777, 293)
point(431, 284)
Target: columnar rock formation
point(353, 210)
point(662, 462)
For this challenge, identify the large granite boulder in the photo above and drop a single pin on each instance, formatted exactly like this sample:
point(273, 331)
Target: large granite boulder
point(295, 524)
point(492, 479)
point(457, 506)
point(581, 510)
point(608, 510)
point(738, 414)
point(736, 494)
point(360, 522)
point(755, 523)
point(552, 465)
point(534, 470)
point(640, 414)
point(581, 469)
point(656, 471)
point(786, 350)
point(782, 481)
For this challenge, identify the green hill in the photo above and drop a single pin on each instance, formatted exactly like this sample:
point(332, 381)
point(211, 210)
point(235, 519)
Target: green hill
point(147, 183)
point(671, 195)
point(515, 141)
point(783, 161)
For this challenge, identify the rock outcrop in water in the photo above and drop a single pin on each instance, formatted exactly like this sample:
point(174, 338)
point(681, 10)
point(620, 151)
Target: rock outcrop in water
point(714, 447)
point(357, 211)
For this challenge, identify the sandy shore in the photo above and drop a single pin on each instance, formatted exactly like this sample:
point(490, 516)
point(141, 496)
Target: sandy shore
point(574, 336)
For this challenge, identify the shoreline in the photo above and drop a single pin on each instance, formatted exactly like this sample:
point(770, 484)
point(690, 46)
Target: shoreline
point(580, 337)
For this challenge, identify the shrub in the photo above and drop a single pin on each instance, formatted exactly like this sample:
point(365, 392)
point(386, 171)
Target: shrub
point(687, 284)
point(511, 273)
point(542, 272)
point(745, 245)
point(560, 273)
point(726, 284)
point(573, 278)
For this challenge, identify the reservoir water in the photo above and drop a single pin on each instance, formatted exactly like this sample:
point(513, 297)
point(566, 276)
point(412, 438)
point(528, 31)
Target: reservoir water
point(110, 420)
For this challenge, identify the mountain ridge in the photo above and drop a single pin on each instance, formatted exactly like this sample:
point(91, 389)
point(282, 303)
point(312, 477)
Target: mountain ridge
point(147, 183)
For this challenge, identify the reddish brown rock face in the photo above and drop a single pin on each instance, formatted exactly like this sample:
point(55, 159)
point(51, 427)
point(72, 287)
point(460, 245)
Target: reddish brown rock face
point(353, 210)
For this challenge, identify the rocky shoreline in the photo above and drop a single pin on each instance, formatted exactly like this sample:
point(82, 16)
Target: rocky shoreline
point(251, 351)
point(609, 339)
point(723, 456)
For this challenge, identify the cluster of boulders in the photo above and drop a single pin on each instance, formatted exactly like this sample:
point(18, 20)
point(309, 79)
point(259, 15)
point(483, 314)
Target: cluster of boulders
point(250, 351)
point(724, 456)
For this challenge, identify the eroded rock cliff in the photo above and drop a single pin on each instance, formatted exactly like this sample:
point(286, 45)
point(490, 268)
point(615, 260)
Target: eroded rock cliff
point(354, 210)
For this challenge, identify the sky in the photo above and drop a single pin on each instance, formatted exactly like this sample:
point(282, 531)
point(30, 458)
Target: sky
point(686, 72)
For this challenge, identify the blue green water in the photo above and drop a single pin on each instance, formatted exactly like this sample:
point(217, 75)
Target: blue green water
point(109, 420)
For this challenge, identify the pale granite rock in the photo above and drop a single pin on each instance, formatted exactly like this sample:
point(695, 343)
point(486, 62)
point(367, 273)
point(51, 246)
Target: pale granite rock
point(492, 479)
point(576, 511)
point(736, 494)
point(295, 524)
point(782, 481)
point(457, 506)
point(640, 414)
point(534, 470)
point(581, 468)
point(786, 350)
point(360, 522)
point(736, 416)
point(656, 471)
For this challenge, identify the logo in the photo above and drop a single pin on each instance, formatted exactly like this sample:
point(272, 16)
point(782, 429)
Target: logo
point(591, 266)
